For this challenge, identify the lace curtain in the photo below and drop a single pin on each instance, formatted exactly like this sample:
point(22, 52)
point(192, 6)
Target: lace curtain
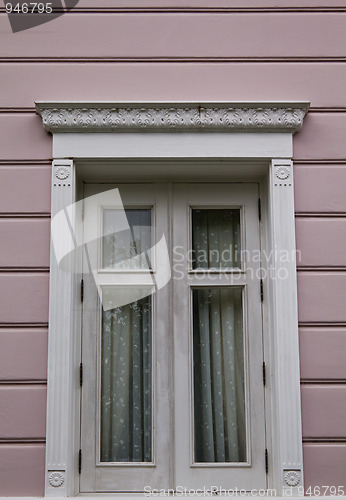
point(126, 406)
point(218, 349)
point(219, 402)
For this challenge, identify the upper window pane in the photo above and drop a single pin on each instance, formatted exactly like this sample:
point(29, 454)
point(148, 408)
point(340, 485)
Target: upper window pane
point(215, 238)
point(127, 249)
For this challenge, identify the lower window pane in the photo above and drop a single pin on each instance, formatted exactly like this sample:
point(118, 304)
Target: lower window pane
point(126, 385)
point(218, 367)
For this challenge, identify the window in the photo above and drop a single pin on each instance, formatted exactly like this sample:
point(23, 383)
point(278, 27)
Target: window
point(87, 146)
point(172, 376)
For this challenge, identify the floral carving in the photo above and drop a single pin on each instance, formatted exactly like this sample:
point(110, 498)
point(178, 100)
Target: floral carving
point(172, 116)
point(282, 173)
point(292, 477)
point(62, 173)
point(56, 478)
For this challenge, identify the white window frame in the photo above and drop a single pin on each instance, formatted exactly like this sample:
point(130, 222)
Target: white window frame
point(250, 474)
point(250, 133)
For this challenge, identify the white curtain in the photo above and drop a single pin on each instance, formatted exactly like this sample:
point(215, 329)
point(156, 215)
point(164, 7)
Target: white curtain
point(216, 238)
point(218, 351)
point(126, 408)
point(126, 386)
point(219, 402)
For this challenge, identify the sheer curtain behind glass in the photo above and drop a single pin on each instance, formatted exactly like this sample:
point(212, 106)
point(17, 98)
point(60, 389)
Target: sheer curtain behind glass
point(126, 345)
point(219, 400)
point(126, 406)
point(127, 249)
point(216, 238)
point(218, 344)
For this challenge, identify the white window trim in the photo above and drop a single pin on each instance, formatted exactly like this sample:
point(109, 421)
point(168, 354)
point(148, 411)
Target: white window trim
point(206, 130)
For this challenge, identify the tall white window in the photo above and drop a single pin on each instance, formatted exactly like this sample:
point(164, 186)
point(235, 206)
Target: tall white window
point(173, 393)
point(182, 422)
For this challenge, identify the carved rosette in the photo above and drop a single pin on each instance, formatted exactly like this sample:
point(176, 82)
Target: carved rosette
point(172, 116)
point(62, 173)
point(56, 478)
point(282, 172)
point(292, 477)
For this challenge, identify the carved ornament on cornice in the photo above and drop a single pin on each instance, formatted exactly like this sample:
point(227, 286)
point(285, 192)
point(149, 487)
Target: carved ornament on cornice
point(162, 117)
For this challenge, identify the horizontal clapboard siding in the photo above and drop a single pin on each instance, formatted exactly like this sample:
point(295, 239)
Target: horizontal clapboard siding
point(324, 465)
point(322, 137)
point(25, 189)
point(24, 298)
point(22, 469)
point(321, 242)
point(20, 247)
point(23, 355)
point(25, 416)
point(23, 138)
point(321, 297)
point(174, 81)
point(182, 50)
point(322, 354)
point(320, 189)
point(207, 4)
point(324, 411)
point(165, 36)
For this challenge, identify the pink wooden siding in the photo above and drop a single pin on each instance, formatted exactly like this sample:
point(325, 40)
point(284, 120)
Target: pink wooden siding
point(326, 193)
point(24, 298)
point(175, 81)
point(23, 137)
point(21, 467)
point(182, 50)
point(325, 464)
point(19, 248)
point(23, 354)
point(322, 351)
point(321, 241)
point(25, 411)
point(317, 400)
point(25, 189)
point(203, 36)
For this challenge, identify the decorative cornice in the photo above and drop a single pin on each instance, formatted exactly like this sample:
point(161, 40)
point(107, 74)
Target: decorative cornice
point(179, 116)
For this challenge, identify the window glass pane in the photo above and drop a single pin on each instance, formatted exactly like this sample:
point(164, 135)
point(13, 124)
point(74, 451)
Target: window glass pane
point(126, 385)
point(215, 238)
point(218, 368)
point(127, 249)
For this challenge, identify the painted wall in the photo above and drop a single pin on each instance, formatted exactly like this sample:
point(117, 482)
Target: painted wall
point(181, 50)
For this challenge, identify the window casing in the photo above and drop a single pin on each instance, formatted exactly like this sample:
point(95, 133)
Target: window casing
point(264, 152)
